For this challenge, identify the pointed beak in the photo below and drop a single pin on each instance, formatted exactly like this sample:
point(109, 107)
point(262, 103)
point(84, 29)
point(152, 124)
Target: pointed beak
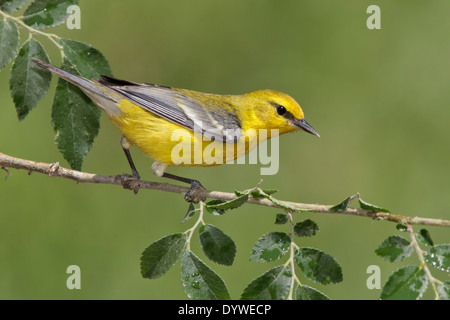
point(302, 124)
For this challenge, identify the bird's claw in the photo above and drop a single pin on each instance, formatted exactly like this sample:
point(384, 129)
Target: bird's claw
point(194, 194)
point(130, 182)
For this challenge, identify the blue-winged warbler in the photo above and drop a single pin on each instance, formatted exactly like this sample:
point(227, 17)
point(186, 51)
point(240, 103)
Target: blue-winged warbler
point(156, 118)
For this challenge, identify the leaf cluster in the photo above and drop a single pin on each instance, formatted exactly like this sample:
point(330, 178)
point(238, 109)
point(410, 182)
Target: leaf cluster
point(75, 118)
point(201, 282)
point(411, 282)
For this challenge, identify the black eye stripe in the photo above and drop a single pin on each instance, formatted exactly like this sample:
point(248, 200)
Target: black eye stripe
point(282, 111)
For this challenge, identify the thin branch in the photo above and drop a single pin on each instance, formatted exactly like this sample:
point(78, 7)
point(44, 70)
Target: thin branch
point(190, 231)
point(290, 261)
point(128, 182)
point(52, 37)
point(423, 264)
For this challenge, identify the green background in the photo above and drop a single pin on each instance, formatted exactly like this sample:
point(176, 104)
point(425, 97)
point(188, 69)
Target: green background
point(379, 99)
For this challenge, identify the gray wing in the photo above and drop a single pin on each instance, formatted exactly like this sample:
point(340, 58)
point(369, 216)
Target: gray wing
point(219, 125)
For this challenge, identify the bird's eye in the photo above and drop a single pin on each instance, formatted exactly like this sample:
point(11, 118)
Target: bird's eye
point(281, 110)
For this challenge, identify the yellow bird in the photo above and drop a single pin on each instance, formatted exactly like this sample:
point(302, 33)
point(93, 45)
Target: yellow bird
point(156, 118)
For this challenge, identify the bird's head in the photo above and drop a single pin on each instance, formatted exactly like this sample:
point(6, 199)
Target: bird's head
point(276, 110)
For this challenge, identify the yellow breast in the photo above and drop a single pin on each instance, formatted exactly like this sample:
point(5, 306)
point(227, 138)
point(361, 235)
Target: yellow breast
point(174, 145)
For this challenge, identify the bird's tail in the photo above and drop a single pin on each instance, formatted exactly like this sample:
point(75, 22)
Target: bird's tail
point(104, 97)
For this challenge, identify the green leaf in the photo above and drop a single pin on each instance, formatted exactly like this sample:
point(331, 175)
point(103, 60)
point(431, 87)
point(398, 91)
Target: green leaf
point(217, 245)
point(87, 61)
point(9, 42)
point(371, 207)
point(318, 266)
point(443, 290)
point(161, 255)
point(406, 283)
point(191, 211)
point(43, 14)
point(75, 119)
point(209, 207)
point(272, 285)
point(401, 227)
point(258, 193)
point(28, 82)
point(281, 218)
point(307, 228)
point(341, 206)
point(309, 293)
point(271, 246)
point(439, 257)
point(424, 237)
point(231, 204)
point(200, 281)
point(9, 6)
point(270, 191)
point(395, 249)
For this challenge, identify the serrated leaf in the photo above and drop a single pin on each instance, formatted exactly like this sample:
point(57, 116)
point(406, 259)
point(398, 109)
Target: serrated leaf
point(443, 290)
point(161, 255)
point(272, 285)
point(271, 246)
point(270, 191)
point(439, 257)
point(28, 82)
point(306, 228)
point(281, 218)
point(341, 206)
point(424, 237)
point(217, 245)
point(209, 207)
point(240, 193)
point(87, 61)
point(371, 207)
point(9, 42)
point(43, 14)
point(406, 283)
point(258, 193)
point(75, 119)
point(318, 266)
point(191, 211)
point(199, 281)
point(309, 293)
point(9, 6)
point(395, 249)
point(231, 204)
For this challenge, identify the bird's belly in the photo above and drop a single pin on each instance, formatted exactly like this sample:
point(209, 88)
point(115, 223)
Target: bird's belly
point(172, 144)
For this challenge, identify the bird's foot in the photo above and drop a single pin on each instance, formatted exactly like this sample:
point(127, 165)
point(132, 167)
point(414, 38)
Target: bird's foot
point(194, 194)
point(130, 182)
